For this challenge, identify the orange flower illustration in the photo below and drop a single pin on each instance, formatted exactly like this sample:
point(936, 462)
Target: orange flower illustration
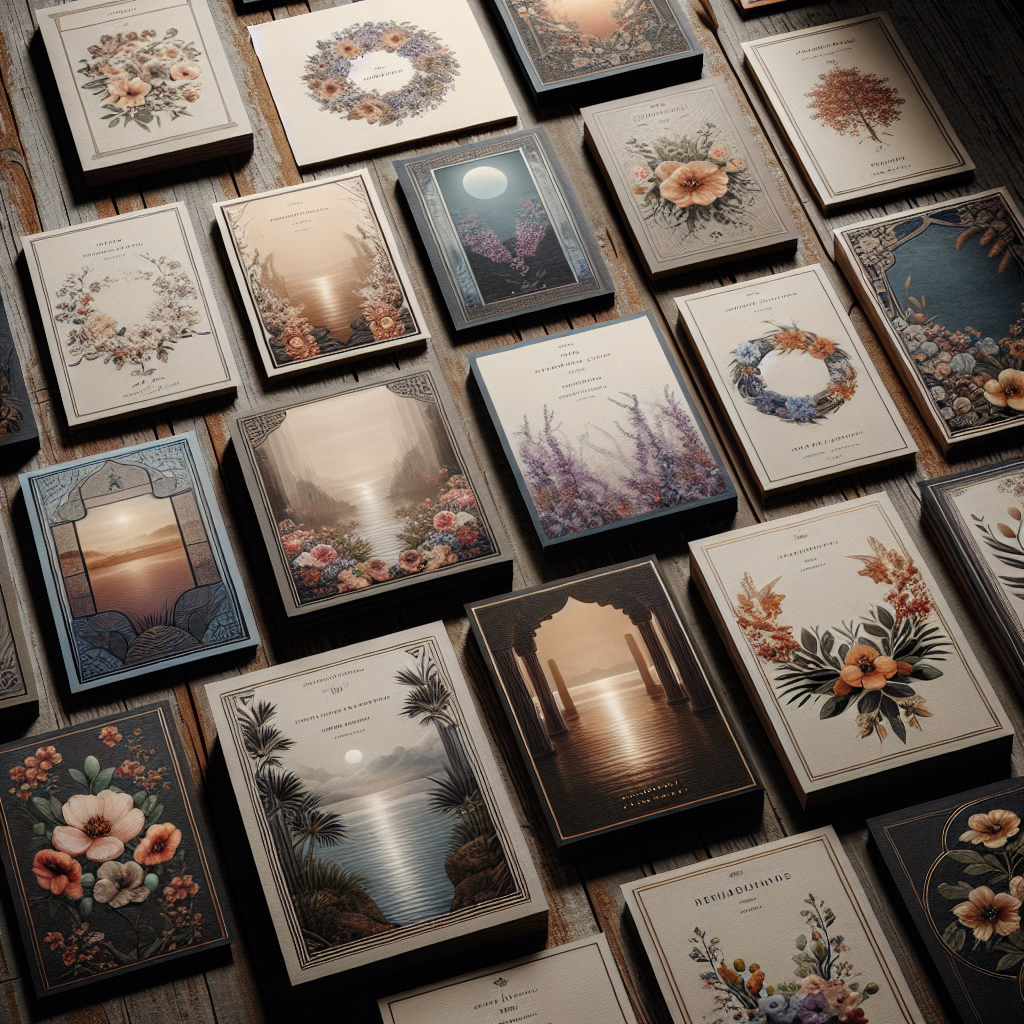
point(865, 667)
point(1007, 390)
point(821, 348)
point(58, 873)
point(791, 341)
point(185, 72)
point(989, 913)
point(992, 829)
point(698, 183)
point(159, 844)
point(128, 93)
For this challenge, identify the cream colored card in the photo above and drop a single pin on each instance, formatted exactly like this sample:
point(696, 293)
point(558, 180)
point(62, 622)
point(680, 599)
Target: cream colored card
point(855, 109)
point(575, 982)
point(836, 605)
point(320, 273)
point(143, 81)
point(129, 316)
point(796, 384)
point(780, 933)
point(378, 75)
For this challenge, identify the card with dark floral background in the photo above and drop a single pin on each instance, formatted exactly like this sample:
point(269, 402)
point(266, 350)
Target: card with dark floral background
point(18, 695)
point(958, 864)
point(106, 850)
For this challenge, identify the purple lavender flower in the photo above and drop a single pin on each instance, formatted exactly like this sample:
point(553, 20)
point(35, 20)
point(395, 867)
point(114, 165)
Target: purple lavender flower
point(481, 240)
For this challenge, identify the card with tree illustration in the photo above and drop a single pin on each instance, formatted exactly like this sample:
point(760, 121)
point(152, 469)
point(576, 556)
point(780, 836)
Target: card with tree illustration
point(978, 518)
point(797, 385)
point(371, 493)
point(319, 273)
point(944, 287)
point(373, 806)
point(612, 707)
point(599, 46)
point(782, 933)
point(502, 229)
point(382, 75)
point(601, 432)
point(855, 109)
point(136, 560)
point(129, 314)
point(848, 650)
point(687, 177)
point(958, 864)
point(145, 86)
point(106, 851)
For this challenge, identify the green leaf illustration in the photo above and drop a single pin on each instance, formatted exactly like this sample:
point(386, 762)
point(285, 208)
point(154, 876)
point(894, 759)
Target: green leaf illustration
point(78, 777)
point(103, 780)
point(925, 672)
point(808, 641)
point(954, 936)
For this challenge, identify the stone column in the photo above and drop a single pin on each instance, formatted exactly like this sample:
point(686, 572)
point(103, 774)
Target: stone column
point(522, 703)
point(661, 663)
point(552, 715)
point(690, 672)
point(641, 665)
point(568, 707)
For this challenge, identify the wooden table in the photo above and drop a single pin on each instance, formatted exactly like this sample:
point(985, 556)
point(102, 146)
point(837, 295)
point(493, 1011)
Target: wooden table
point(971, 55)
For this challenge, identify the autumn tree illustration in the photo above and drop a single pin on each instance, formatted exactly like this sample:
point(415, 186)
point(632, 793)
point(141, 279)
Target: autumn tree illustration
point(851, 101)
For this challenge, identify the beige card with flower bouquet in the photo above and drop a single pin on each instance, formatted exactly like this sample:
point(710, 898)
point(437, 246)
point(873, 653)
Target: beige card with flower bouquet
point(129, 314)
point(379, 75)
point(782, 934)
point(320, 273)
point(853, 660)
point(145, 85)
point(798, 387)
point(687, 177)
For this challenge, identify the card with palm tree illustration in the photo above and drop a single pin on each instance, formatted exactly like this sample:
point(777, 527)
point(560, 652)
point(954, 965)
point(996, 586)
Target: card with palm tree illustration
point(106, 851)
point(373, 806)
point(852, 658)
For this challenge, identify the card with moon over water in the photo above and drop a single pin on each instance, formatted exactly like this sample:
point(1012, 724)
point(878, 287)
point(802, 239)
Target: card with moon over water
point(613, 710)
point(502, 229)
point(373, 806)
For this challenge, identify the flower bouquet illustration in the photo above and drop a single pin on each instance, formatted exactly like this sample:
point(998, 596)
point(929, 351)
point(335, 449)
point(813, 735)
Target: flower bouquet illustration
point(94, 334)
point(116, 880)
point(416, 56)
point(745, 372)
point(867, 664)
point(992, 854)
point(693, 183)
point(138, 76)
point(1008, 546)
point(826, 992)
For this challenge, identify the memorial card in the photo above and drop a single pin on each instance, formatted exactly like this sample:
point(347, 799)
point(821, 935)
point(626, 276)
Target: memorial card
point(320, 274)
point(129, 314)
point(687, 177)
point(848, 650)
point(855, 110)
point(797, 385)
point(145, 86)
point(601, 432)
point(374, 807)
point(136, 561)
point(383, 75)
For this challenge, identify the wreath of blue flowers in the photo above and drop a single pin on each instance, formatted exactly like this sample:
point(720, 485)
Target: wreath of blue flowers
point(746, 376)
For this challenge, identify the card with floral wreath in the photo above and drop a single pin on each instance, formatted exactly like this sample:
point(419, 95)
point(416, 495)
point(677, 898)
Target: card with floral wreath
point(144, 87)
point(602, 434)
point(779, 934)
point(379, 75)
point(796, 384)
point(958, 865)
point(374, 808)
point(320, 273)
point(599, 47)
point(129, 313)
point(688, 178)
point(853, 660)
point(943, 286)
point(856, 110)
point(137, 563)
point(372, 493)
point(107, 851)
point(19, 699)
point(502, 229)
point(978, 519)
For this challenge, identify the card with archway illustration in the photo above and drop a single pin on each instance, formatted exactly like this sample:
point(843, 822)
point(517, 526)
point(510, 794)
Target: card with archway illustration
point(613, 710)
point(129, 313)
point(136, 561)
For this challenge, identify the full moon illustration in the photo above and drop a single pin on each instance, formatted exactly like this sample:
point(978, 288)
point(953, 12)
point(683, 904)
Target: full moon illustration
point(485, 182)
point(354, 756)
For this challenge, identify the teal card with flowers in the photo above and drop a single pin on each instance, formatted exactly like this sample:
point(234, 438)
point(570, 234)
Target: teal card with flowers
point(106, 851)
point(958, 864)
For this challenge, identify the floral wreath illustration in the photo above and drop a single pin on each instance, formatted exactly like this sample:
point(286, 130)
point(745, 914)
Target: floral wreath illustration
point(745, 371)
point(328, 72)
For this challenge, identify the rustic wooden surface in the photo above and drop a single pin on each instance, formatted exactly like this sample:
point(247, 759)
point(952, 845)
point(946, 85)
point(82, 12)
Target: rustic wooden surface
point(971, 58)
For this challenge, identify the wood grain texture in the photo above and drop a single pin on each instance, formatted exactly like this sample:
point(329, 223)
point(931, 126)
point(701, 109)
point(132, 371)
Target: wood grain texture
point(974, 66)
